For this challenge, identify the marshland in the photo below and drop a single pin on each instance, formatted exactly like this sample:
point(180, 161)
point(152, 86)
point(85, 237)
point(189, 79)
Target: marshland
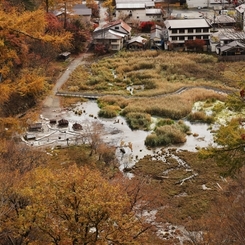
point(159, 92)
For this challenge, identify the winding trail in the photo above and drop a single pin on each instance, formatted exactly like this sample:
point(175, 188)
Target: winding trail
point(52, 102)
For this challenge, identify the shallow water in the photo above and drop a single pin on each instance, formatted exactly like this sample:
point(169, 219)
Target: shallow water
point(118, 133)
point(129, 143)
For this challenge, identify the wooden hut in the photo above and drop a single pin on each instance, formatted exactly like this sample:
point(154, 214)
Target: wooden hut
point(35, 127)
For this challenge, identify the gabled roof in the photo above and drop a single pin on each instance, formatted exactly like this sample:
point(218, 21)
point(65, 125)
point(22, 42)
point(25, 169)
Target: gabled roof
point(231, 45)
point(229, 34)
point(107, 34)
point(186, 23)
point(138, 39)
point(240, 8)
point(109, 25)
point(118, 34)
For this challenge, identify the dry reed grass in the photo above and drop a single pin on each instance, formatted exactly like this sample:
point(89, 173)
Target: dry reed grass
point(160, 73)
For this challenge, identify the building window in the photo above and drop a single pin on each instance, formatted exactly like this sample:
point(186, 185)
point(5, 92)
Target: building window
point(116, 27)
point(190, 30)
point(190, 37)
point(181, 30)
point(205, 37)
point(114, 47)
point(198, 30)
point(174, 31)
point(205, 29)
point(181, 38)
point(174, 38)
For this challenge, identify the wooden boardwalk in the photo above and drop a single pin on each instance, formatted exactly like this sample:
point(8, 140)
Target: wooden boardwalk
point(77, 94)
point(92, 96)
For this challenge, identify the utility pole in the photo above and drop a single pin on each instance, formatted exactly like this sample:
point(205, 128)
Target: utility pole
point(65, 16)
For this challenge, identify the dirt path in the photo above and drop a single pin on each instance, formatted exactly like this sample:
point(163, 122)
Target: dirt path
point(52, 102)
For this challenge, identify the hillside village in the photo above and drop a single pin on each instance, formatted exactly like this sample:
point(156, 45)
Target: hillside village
point(220, 31)
point(122, 122)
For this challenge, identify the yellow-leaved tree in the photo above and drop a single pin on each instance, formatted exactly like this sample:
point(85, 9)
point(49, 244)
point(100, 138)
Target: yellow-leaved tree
point(27, 46)
point(74, 206)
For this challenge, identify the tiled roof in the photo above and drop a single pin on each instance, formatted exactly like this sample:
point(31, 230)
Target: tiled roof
point(222, 19)
point(231, 45)
point(124, 25)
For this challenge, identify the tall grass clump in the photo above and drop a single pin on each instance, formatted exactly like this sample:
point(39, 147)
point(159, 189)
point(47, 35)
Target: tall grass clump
point(138, 120)
point(109, 111)
point(205, 58)
point(200, 116)
point(113, 100)
point(166, 135)
point(164, 121)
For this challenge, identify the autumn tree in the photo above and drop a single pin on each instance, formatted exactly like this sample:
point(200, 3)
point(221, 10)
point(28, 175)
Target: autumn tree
point(196, 44)
point(229, 139)
point(23, 38)
point(80, 34)
point(15, 161)
point(74, 206)
point(110, 7)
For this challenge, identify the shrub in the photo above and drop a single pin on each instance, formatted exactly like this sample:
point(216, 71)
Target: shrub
point(109, 111)
point(165, 135)
point(200, 116)
point(138, 120)
point(145, 26)
point(166, 121)
point(113, 100)
point(183, 127)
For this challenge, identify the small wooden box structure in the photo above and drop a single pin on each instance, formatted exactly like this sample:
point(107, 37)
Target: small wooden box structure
point(35, 127)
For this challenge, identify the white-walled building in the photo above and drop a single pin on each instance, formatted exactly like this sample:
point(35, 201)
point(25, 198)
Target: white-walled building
point(205, 3)
point(138, 10)
point(179, 31)
point(113, 35)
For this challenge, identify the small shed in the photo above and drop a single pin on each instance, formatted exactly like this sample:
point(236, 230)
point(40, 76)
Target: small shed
point(77, 126)
point(35, 127)
point(63, 123)
point(137, 43)
point(64, 56)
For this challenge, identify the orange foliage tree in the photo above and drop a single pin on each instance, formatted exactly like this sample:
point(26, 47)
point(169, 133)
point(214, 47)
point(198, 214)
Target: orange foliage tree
point(23, 38)
point(72, 206)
